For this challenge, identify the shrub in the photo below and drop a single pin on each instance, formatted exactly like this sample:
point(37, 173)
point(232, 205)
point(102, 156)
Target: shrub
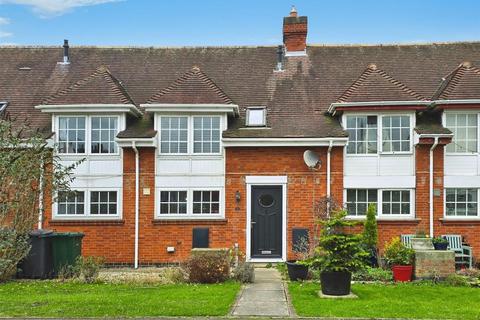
point(244, 272)
point(456, 280)
point(68, 272)
point(397, 254)
point(370, 229)
point(208, 267)
point(172, 275)
point(87, 268)
point(439, 240)
point(14, 247)
point(338, 250)
point(373, 274)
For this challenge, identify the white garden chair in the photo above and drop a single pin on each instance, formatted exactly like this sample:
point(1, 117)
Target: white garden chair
point(463, 253)
point(406, 239)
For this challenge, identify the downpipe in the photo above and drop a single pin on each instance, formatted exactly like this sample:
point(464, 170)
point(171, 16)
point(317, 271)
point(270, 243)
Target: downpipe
point(137, 198)
point(431, 185)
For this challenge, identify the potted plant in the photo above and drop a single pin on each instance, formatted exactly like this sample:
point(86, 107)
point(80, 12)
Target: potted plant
point(440, 243)
point(400, 259)
point(370, 235)
point(298, 268)
point(339, 253)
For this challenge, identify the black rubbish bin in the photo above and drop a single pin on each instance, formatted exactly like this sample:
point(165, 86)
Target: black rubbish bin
point(39, 262)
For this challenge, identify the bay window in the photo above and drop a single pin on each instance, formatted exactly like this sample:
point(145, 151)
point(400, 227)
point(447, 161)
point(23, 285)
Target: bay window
point(190, 134)
point(87, 134)
point(389, 202)
point(365, 132)
point(464, 127)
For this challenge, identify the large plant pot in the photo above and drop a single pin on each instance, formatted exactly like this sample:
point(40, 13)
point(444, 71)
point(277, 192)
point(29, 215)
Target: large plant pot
point(421, 244)
point(297, 272)
point(402, 273)
point(440, 246)
point(335, 283)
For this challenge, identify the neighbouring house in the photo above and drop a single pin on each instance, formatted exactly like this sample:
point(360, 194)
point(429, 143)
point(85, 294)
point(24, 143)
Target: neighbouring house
point(204, 146)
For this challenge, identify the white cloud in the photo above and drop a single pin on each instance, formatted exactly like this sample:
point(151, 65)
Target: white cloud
point(48, 8)
point(4, 34)
point(4, 21)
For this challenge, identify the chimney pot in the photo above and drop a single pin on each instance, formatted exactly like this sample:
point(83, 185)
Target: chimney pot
point(295, 34)
point(66, 55)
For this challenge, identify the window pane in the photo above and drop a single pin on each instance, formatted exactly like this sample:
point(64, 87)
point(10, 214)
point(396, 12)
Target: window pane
point(461, 202)
point(174, 135)
point(362, 134)
point(206, 202)
point(465, 132)
point(173, 202)
point(396, 133)
point(256, 117)
point(103, 132)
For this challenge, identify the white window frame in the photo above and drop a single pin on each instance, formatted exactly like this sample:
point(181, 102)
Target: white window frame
point(88, 133)
point(87, 215)
point(444, 123)
point(167, 215)
point(192, 139)
point(380, 215)
point(380, 116)
point(190, 215)
point(264, 115)
point(455, 217)
point(190, 148)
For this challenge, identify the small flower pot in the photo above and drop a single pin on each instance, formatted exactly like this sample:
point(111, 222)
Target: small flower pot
point(402, 273)
point(297, 272)
point(336, 283)
point(440, 246)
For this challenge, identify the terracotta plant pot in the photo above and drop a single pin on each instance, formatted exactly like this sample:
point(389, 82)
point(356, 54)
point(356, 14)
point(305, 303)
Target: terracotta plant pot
point(336, 283)
point(297, 271)
point(402, 273)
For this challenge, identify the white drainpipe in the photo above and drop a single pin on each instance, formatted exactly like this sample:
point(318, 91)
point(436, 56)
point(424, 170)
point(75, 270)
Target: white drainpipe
point(329, 151)
point(431, 184)
point(137, 198)
point(40, 199)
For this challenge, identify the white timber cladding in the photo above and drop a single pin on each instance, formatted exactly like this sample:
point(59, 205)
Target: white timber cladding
point(97, 171)
point(462, 165)
point(381, 167)
point(190, 171)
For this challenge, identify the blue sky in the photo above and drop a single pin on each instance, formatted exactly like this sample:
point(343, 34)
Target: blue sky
point(228, 22)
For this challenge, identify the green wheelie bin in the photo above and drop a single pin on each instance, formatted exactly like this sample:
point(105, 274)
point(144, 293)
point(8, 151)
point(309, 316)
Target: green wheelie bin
point(66, 247)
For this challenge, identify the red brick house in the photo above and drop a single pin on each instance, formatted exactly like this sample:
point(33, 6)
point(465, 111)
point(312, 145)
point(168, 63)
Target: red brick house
point(204, 146)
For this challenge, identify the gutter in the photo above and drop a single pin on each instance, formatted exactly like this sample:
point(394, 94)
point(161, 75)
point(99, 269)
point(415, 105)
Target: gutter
point(137, 198)
point(431, 185)
point(284, 142)
point(333, 106)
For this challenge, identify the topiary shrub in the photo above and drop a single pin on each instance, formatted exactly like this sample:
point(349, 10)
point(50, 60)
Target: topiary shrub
point(370, 235)
point(208, 266)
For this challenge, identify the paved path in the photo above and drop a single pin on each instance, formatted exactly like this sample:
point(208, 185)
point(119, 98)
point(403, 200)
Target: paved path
point(265, 297)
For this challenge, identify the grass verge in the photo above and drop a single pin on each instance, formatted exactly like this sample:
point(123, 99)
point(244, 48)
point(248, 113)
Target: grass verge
point(412, 300)
point(64, 300)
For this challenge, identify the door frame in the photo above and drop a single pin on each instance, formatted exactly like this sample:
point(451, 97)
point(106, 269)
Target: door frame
point(266, 181)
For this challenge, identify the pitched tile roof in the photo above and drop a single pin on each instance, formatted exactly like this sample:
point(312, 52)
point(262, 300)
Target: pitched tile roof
point(191, 88)
point(296, 99)
point(375, 84)
point(461, 83)
point(100, 87)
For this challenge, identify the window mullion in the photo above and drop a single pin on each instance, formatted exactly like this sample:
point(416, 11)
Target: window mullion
point(379, 202)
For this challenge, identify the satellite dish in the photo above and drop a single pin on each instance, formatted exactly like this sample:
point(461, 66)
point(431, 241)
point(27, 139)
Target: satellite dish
point(311, 159)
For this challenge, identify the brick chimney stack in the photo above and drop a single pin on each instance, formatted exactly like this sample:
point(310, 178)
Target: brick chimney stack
point(295, 34)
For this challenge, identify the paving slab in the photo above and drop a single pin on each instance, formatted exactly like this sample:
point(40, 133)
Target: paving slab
point(265, 297)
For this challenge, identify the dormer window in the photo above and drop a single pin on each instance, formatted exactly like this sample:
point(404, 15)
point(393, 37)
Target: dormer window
point(256, 117)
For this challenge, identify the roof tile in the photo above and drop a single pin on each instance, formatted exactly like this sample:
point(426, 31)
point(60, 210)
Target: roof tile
point(462, 83)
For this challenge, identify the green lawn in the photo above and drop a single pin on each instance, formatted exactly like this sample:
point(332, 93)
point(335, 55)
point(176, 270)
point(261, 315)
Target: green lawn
point(55, 299)
point(390, 301)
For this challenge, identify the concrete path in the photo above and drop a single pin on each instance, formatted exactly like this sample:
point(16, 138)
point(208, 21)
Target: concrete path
point(265, 297)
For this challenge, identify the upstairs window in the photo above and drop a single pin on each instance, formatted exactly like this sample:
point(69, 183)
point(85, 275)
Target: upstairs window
point(362, 133)
point(71, 134)
point(174, 135)
point(256, 117)
point(396, 134)
point(206, 134)
point(190, 135)
point(465, 132)
point(104, 130)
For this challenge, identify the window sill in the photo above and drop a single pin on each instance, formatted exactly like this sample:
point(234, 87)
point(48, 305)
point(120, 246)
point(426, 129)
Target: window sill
point(86, 222)
point(396, 220)
point(188, 221)
point(460, 221)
